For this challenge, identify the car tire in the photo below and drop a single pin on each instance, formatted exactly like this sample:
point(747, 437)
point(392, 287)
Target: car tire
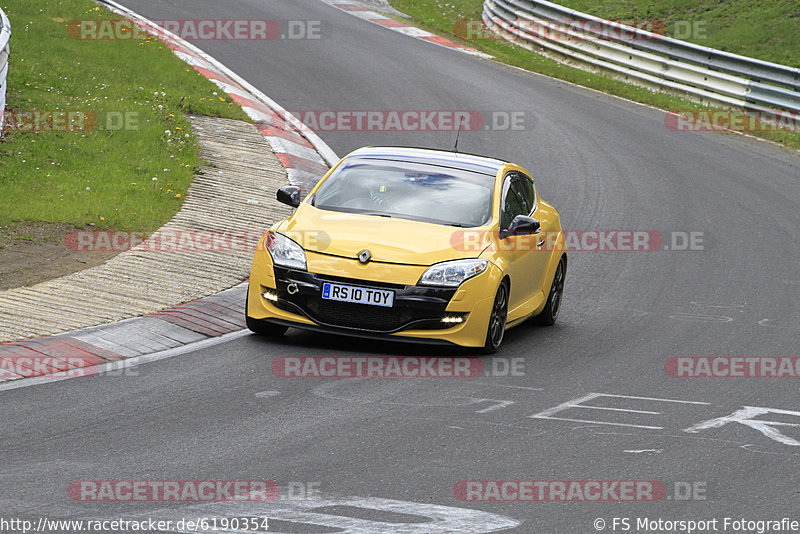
point(260, 327)
point(497, 320)
point(553, 306)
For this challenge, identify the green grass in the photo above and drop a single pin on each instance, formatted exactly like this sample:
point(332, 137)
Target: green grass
point(447, 17)
point(101, 176)
point(763, 29)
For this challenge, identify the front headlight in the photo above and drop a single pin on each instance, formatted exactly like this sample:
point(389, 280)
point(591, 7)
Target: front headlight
point(285, 252)
point(452, 273)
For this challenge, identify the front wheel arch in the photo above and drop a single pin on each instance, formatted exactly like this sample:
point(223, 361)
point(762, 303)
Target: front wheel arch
point(552, 306)
point(496, 326)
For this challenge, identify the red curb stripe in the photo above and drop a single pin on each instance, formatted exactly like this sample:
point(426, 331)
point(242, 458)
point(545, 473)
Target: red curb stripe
point(205, 72)
point(394, 24)
point(291, 161)
point(211, 75)
point(277, 121)
point(246, 102)
point(443, 41)
point(288, 135)
point(178, 47)
point(232, 316)
point(285, 160)
point(390, 23)
point(57, 349)
point(278, 127)
point(238, 309)
point(93, 349)
point(199, 313)
point(192, 323)
point(198, 320)
point(189, 325)
point(291, 137)
point(18, 351)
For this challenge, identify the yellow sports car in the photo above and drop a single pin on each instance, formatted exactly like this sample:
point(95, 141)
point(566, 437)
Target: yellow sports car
point(411, 244)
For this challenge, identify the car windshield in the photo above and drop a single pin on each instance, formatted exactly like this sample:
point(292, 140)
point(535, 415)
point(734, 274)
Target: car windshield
point(415, 191)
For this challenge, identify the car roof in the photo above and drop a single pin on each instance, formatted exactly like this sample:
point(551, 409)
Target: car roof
point(443, 158)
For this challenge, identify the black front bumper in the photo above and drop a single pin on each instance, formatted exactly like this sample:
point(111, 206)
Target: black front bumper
point(415, 307)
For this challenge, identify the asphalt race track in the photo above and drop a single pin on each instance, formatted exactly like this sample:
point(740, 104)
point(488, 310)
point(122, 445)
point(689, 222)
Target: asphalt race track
point(219, 412)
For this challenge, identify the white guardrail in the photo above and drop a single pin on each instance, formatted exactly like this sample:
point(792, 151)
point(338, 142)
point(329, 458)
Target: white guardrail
point(5, 37)
point(705, 74)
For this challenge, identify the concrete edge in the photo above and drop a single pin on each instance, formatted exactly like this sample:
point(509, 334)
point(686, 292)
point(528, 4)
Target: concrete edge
point(80, 352)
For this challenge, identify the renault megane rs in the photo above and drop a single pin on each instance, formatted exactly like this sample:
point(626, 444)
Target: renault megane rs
point(413, 244)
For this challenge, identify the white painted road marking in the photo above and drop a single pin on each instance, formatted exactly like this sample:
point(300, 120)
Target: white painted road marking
point(263, 394)
point(511, 386)
point(431, 518)
point(497, 404)
point(579, 403)
point(746, 416)
point(705, 317)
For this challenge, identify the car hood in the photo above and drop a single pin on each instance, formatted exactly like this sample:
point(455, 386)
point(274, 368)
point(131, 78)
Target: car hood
point(389, 240)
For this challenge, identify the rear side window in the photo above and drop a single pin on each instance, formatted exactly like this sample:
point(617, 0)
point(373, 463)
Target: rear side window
point(526, 185)
point(518, 198)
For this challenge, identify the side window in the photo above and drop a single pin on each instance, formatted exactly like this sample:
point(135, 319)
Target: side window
point(514, 200)
point(530, 193)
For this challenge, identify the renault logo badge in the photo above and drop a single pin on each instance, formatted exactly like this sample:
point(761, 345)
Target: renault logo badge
point(364, 256)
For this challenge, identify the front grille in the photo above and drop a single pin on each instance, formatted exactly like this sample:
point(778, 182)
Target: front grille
point(362, 316)
point(414, 307)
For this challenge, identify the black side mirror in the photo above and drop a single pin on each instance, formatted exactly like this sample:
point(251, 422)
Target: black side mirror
point(521, 225)
point(289, 195)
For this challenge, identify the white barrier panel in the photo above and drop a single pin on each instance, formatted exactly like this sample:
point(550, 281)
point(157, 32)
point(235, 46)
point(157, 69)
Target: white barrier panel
point(5, 37)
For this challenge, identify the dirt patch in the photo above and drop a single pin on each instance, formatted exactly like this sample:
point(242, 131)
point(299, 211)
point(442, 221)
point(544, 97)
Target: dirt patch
point(33, 252)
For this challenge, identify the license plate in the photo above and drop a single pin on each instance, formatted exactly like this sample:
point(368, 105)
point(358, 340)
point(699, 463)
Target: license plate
point(359, 295)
